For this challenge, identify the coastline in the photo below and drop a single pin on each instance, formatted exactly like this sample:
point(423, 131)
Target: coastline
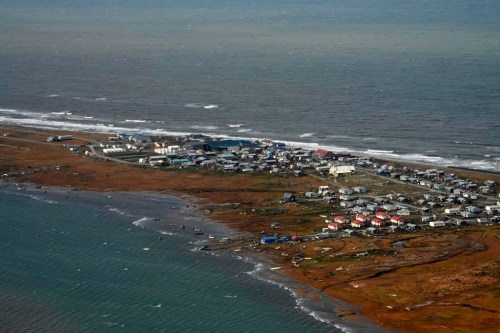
point(108, 177)
point(146, 212)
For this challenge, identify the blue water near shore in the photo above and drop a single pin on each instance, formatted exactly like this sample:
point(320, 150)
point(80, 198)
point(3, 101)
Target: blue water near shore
point(76, 262)
point(410, 80)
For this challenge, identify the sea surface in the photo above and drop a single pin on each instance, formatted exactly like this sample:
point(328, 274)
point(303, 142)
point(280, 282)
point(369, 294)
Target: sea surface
point(410, 80)
point(115, 262)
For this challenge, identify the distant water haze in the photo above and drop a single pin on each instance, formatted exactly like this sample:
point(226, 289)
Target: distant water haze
point(412, 80)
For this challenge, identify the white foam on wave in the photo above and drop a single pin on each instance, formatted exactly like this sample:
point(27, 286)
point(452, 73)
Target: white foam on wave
point(116, 210)
point(244, 130)
point(141, 223)
point(7, 110)
point(340, 136)
point(135, 121)
point(235, 125)
point(88, 117)
point(37, 198)
point(31, 114)
point(378, 152)
point(100, 99)
point(259, 273)
point(204, 127)
point(306, 135)
point(53, 95)
point(194, 105)
point(210, 106)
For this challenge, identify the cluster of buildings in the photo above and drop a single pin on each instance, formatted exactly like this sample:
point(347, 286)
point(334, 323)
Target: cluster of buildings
point(225, 155)
point(454, 198)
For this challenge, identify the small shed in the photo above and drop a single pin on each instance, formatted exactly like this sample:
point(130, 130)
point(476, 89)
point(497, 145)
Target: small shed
point(289, 197)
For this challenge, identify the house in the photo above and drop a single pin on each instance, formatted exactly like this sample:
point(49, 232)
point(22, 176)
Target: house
point(373, 231)
point(312, 195)
point(357, 224)
point(340, 219)
point(360, 189)
point(377, 222)
point(323, 189)
point(361, 217)
point(345, 191)
point(395, 228)
point(381, 215)
point(324, 154)
point(472, 209)
point(389, 207)
point(341, 170)
point(412, 227)
point(467, 214)
point(493, 208)
point(452, 211)
point(435, 224)
point(347, 204)
point(289, 197)
point(426, 218)
point(404, 212)
point(396, 219)
point(334, 226)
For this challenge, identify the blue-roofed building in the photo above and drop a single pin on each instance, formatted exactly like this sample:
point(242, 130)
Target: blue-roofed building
point(179, 161)
point(230, 145)
point(139, 138)
point(269, 240)
point(227, 157)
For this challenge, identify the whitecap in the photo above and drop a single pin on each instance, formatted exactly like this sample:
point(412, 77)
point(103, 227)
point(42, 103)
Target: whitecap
point(204, 127)
point(211, 106)
point(193, 105)
point(374, 151)
point(100, 99)
point(53, 95)
point(141, 222)
point(8, 110)
point(244, 130)
point(135, 121)
point(235, 125)
point(306, 135)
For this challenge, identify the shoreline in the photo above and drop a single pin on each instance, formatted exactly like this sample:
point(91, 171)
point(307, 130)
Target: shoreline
point(310, 300)
point(222, 193)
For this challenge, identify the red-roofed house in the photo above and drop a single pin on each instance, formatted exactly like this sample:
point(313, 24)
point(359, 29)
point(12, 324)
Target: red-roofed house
point(323, 153)
point(381, 215)
point(357, 224)
point(334, 226)
point(340, 219)
point(361, 217)
point(396, 219)
point(377, 222)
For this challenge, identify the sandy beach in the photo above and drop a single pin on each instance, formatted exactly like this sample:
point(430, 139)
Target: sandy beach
point(444, 281)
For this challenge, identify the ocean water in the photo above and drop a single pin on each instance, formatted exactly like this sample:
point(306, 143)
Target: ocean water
point(84, 262)
point(408, 80)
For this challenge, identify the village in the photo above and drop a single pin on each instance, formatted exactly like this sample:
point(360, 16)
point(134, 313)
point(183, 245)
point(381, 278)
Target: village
point(409, 242)
point(357, 202)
